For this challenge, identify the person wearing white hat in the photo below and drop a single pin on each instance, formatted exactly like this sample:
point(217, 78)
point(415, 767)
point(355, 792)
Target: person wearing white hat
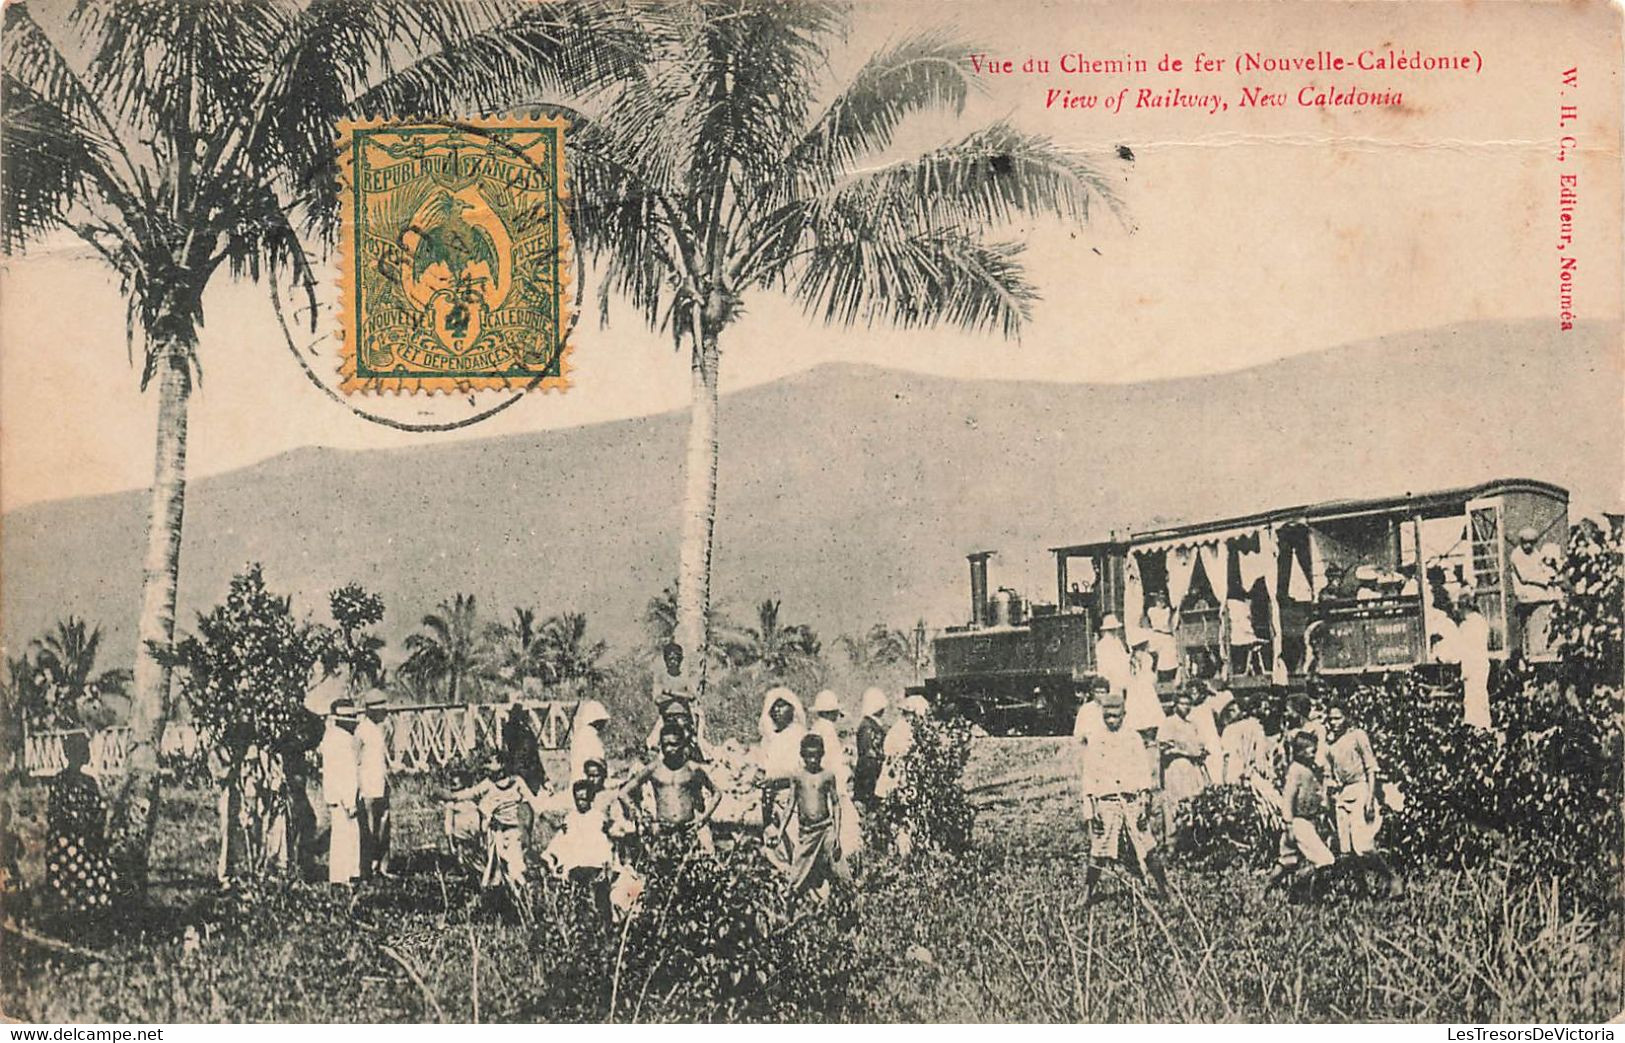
point(372, 756)
point(1534, 589)
point(341, 792)
point(1111, 654)
point(826, 712)
point(871, 747)
point(587, 737)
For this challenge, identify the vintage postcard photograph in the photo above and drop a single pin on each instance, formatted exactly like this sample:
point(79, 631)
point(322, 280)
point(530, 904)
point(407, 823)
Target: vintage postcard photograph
point(718, 511)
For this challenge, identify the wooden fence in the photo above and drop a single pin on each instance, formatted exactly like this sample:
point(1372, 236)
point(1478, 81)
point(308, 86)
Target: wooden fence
point(421, 738)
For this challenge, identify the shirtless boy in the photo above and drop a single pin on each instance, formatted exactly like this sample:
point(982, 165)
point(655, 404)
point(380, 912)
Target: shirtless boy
point(685, 797)
point(818, 807)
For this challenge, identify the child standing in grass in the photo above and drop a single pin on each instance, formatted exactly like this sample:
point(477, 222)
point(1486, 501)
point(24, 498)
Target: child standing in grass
point(685, 797)
point(1352, 772)
point(507, 808)
point(817, 809)
point(1116, 784)
point(1303, 802)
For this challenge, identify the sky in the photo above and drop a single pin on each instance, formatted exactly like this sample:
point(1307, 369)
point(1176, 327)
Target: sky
point(1245, 236)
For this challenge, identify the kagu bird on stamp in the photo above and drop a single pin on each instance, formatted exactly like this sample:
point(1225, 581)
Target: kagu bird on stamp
point(454, 255)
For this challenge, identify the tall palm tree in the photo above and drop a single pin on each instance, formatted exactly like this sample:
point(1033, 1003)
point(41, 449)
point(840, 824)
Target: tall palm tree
point(710, 174)
point(771, 645)
point(572, 655)
point(448, 650)
point(179, 139)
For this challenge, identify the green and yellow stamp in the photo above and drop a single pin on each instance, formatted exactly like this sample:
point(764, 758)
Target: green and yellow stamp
point(454, 255)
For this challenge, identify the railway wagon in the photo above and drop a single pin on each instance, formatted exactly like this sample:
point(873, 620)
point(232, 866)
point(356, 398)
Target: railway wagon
point(1337, 589)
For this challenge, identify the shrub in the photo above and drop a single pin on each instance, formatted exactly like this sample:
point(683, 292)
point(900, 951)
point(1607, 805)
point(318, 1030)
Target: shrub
point(1587, 624)
point(1222, 826)
point(715, 938)
point(930, 802)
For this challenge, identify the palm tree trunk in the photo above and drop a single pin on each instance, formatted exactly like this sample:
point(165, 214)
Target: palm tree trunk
point(135, 809)
point(699, 513)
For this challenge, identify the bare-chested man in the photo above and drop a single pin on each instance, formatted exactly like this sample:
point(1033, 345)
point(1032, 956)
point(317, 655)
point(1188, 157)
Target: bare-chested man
point(818, 807)
point(685, 796)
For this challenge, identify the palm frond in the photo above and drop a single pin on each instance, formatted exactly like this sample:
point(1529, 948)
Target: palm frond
point(919, 280)
point(920, 73)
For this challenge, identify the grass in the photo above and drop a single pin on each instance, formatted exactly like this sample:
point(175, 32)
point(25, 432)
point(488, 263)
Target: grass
point(1002, 934)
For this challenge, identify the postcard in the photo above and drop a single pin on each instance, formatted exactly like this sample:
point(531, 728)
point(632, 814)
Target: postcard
point(894, 512)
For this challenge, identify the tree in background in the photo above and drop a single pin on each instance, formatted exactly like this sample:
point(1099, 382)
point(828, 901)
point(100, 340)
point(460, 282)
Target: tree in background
point(1586, 626)
point(880, 646)
point(56, 682)
point(572, 656)
point(351, 648)
point(772, 647)
point(449, 650)
point(517, 651)
point(708, 173)
point(245, 674)
point(660, 624)
point(179, 139)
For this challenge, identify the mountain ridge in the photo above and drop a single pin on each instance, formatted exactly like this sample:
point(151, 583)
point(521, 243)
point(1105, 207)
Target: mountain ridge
point(850, 490)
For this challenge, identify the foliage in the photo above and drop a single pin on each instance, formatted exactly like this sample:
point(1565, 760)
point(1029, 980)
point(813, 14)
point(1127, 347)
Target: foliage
point(448, 650)
point(1547, 793)
point(56, 683)
point(930, 802)
point(246, 670)
point(773, 647)
point(1586, 626)
point(727, 165)
point(1222, 826)
point(516, 652)
point(879, 646)
point(354, 609)
point(569, 653)
point(715, 939)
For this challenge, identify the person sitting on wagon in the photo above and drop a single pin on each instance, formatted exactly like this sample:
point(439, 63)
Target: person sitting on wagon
point(1366, 580)
point(1535, 589)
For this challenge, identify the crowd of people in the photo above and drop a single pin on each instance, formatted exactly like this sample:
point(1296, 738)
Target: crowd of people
point(804, 788)
point(1140, 763)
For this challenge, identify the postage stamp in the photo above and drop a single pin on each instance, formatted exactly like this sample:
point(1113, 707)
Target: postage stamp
point(454, 255)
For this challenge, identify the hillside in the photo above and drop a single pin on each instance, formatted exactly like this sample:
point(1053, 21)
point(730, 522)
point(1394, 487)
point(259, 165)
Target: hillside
point(850, 492)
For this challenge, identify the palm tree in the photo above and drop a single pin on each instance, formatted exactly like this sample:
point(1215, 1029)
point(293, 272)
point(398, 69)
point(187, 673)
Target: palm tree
point(771, 646)
point(179, 139)
point(573, 657)
point(660, 624)
point(879, 646)
point(708, 175)
point(448, 649)
point(518, 650)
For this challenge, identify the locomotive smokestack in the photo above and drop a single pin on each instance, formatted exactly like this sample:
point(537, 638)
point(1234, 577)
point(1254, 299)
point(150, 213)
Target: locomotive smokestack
point(978, 587)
